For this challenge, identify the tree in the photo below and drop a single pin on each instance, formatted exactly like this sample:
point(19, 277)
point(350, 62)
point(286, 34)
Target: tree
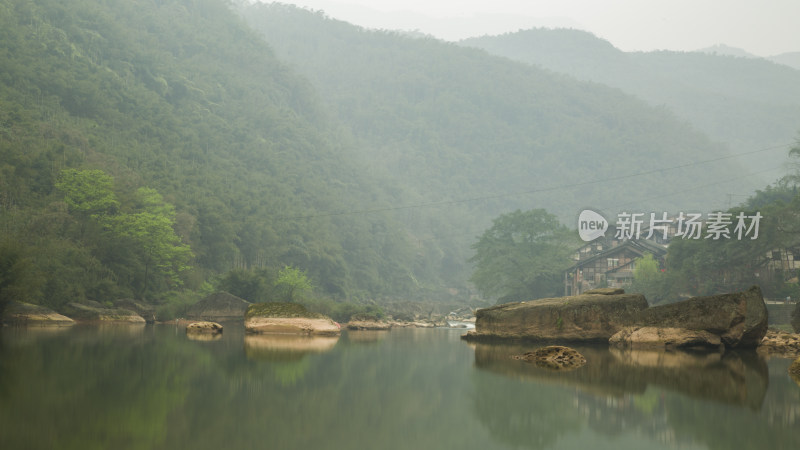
point(150, 229)
point(649, 280)
point(292, 281)
point(523, 256)
point(88, 192)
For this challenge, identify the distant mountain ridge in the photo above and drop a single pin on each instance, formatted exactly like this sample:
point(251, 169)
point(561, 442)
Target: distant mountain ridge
point(747, 103)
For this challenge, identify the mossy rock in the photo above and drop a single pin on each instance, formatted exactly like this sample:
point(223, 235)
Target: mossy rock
point(280, 310)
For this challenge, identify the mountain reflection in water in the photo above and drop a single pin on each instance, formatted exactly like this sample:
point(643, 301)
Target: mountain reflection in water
point(676, 399)
point(152, 387)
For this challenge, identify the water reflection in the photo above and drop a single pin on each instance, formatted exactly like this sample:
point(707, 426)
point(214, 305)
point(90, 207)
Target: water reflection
point(155, 389)
point(366, 336)
point(734, 378)
point(285, 347)
point(674, 399)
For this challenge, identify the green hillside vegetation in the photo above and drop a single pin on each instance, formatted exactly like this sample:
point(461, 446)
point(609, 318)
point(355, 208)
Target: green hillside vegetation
point(746, 103)
point(158, 150)
point(185, 118)
point(443, 124)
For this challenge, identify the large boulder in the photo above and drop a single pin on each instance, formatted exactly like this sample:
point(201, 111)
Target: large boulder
point(587, 317)
point(739, 318)
point(664, 338)
point(218, 307)
point(96, 312)
point(287, 318)
point(26, 314)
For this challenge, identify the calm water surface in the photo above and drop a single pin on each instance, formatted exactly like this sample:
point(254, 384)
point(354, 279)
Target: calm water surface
point(152, 387)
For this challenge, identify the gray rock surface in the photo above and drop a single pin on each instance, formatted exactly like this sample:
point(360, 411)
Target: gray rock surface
point(587, 317)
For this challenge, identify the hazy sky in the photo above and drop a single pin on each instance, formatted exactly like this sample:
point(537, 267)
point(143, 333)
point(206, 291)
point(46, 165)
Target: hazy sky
point(760, 27)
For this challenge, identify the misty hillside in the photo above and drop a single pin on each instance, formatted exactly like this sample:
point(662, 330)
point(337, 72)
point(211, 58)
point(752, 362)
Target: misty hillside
point(449, 123)
point(369, 160)
point(183, 98)
point(747, 103)
point(791, 59)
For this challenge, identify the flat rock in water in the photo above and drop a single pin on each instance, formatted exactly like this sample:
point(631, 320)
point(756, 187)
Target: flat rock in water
point(27, 314)
point(665, 338)
point(554, 357)
point(287, 318)
point(204, 328)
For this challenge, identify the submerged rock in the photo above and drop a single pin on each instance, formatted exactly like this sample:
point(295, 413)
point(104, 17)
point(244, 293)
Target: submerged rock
point(289, 318)
point(26, 314)
point(587, 317)
point(665, 338)
point(220, 306)
point(554, 357)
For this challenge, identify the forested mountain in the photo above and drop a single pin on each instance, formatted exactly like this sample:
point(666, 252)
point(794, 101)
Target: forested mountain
point(182, 98)
point(747, 103)
point(147, 148)
point(445, 123)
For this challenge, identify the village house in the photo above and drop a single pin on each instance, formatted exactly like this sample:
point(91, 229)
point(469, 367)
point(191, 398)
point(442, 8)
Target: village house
point(608, 262)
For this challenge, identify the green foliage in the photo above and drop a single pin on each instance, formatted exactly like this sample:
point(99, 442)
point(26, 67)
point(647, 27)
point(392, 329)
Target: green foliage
point(18, 280)
point(88, 192)
point(523, 256)
point(255, 286)
point(345, 311)
point(649, 280)
point(292, 282)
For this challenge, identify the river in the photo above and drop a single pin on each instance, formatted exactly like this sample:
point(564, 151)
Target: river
point(151, 387)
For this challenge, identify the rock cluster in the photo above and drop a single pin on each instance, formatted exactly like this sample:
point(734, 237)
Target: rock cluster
point(781, 343)
point(736, 320)
point(554, 357)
